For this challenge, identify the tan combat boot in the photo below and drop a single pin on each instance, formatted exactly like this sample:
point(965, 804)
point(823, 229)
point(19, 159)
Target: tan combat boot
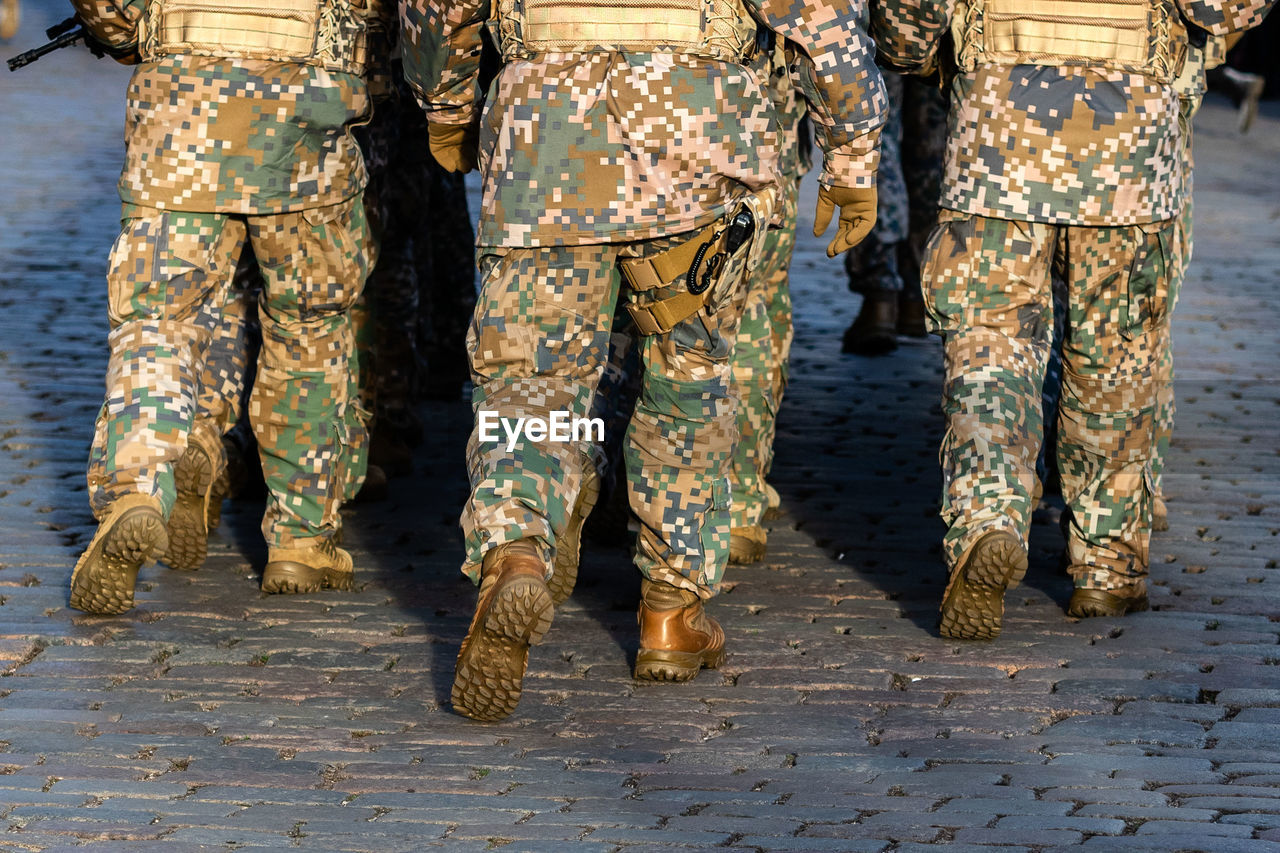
point(200, 478)
point(513, 612)
point(1159, 514)
point(308, 568)
point(131, 534)
point(677, 637)
point(973, 604)
point(1086, 603)
point(747, 545)
point(569, 544)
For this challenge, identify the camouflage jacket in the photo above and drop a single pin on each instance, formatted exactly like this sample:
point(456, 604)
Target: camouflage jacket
point(223, 135)
point(595, 147)
point(1062, 144)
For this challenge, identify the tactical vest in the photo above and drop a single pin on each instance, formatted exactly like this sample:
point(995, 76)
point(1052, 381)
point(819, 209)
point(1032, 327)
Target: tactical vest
point(711, 29)
point(327, 33)
point(1144, 36)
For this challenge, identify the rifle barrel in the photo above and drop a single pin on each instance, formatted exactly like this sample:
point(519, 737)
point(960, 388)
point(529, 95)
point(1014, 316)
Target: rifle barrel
point(35, 53)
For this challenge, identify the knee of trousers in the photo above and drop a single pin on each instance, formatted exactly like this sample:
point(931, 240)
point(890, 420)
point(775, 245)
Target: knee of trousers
point(1111, 416)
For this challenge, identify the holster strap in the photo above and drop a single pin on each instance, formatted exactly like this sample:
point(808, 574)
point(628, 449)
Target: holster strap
point(665, 267)
point(660, 317)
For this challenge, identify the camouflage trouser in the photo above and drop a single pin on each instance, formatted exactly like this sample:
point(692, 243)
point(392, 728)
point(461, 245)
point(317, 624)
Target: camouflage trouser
point(1165, 407)
point(989, 295)
point(908, 184)
point(759, 365)
point(1179, 261)
point(538, 345)
point(758, 369)
point(170, 287)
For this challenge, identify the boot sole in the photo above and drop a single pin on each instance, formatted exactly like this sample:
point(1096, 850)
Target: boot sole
point(491, 665)
point(1090, 603)
point(564, 575)
point(106, 572)
point(289, 578)
point(744, 551)
point(973, 607)
point(189, 525)
point(659, 665)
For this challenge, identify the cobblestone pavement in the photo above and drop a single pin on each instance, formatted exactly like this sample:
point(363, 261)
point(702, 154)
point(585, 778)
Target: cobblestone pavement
point(213, 717)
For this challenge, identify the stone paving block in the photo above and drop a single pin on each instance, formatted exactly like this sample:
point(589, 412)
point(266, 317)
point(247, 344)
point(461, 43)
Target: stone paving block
point(1247, 697)
point(952, 847)
point(629, 835)
point(997, 807)
point(1039, 838)
point(1086, 825)
point(1189, 840)
point(1111, 796)
point(1136, 813)
point(1166, 827)
point(913, 827)
point(1235, 805)
point(811, 845)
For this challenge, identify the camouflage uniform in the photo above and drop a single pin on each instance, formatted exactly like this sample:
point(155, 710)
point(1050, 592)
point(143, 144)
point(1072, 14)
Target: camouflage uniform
point(758, 364)
point(222, 153)
point(561, 210)
point(1088, 182)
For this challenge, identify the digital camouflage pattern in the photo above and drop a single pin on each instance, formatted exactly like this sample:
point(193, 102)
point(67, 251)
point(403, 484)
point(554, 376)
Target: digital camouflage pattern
point(534, 355)
point(232, 135)
point(990, 298)
point(169, 281)
point(1062, 144)
point(583, 148)
point(758, 365)
point(759, 368)
point(907, 189)
point(763, 345)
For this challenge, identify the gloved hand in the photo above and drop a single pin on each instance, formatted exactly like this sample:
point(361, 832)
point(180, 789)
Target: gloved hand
point(455, 146)
point(857, 215)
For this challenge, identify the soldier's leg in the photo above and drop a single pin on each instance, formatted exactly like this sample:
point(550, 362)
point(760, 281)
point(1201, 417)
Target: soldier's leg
point(678, 451)
point(872, 265)
point(537, 345)
point(988, 296)
point(1119, 289)
point(304, 406)
point(166, 268)
point(759, 369)
point(1165, 406)
point(201, 476)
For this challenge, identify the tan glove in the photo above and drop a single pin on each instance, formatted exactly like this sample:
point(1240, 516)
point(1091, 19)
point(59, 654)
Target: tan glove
point(455, 146)
point(857, 215)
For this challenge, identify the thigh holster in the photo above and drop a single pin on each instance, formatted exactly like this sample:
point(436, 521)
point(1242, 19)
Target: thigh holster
point(702, 271)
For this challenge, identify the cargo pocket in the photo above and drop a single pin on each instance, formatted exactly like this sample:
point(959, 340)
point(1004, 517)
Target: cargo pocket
point(714, 532)
point(1147, 304)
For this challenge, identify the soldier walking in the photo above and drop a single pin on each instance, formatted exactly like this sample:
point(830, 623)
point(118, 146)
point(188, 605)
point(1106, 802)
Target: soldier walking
point(621, 142)
point(1086, 180)
point(238, 132)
